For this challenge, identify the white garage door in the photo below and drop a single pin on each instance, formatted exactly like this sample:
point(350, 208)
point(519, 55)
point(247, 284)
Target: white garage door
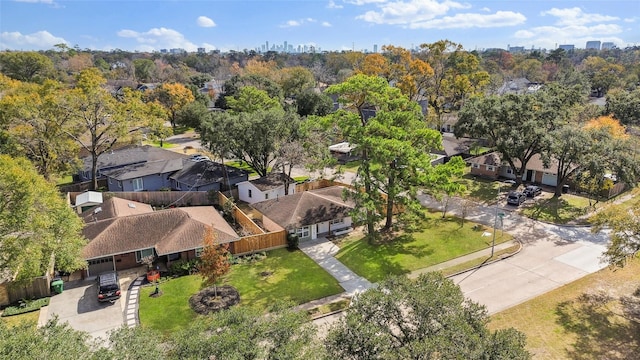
point(98, 266)
point(549, 179)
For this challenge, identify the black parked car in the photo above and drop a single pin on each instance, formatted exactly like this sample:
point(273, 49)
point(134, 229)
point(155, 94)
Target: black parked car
point(108, 286)
point(532, 191)
point(516, 198)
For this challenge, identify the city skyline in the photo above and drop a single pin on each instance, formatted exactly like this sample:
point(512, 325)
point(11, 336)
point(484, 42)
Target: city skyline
point(331, 25)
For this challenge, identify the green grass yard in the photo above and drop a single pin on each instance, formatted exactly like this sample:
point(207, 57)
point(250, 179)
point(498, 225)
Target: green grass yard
point(441, 240)
point(30, 317)
point(560, 210)
point(283, 275)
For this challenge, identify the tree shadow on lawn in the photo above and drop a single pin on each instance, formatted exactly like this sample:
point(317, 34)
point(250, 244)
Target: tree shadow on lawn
point(554, 209)
point(602, 327)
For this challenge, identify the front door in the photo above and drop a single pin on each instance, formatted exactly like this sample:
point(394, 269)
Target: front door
point(529, 175)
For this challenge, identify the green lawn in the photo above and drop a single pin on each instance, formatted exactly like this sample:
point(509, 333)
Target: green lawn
point(242, 165)
point(22, 318)
point(351, 166)
point(441, 240)
point(483, 190)
point(64, 180)
point(169, 312)
point(283, 275)
point(559, 210)
point(581, 320)
point(293, 276)
point(165, 144)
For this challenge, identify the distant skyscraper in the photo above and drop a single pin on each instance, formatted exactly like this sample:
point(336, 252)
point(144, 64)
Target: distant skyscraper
point(608, 45)
point(567, 47)
point(267, 46)
point(375, 48)
point(594, 44)
point(202, 50)
point(286, 48)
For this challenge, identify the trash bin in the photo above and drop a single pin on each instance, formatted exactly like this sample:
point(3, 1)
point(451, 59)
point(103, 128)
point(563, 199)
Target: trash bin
point(565, 189)
point(57, 285)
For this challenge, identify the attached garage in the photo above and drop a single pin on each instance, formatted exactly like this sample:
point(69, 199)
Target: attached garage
point(98, 266)
point(549, 179)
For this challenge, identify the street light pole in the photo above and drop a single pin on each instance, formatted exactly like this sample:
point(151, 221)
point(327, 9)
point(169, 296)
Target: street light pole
point(495, 221)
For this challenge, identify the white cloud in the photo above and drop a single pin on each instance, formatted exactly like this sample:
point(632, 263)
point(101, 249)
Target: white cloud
point(575, 16)
point(486, 9)
point(36, 1)
point(326, 24)
point(549, 36)
point(159, 38)
point(332, 5)
point(412, 11)
point(465, 21)
point(630, 20)
point(204, 21)
point(295, 23)
point(364, 2)
point(291, 23)
point(41, 40)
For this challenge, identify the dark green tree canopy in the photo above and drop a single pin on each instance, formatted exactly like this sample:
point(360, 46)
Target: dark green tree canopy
point(426, 318)
point(233, 85)
point(35, 223)
point(26, 66)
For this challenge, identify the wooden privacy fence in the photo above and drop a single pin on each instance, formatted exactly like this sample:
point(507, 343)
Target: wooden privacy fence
point(260, 242)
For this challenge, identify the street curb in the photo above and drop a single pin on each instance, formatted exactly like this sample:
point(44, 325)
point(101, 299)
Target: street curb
point(502, 257)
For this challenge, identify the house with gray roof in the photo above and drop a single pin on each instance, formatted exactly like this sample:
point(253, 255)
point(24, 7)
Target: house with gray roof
point(119, 158)
point(122, 232)
point(207, 175)
point(145, 176)
point(310, 214)
point(265, 188)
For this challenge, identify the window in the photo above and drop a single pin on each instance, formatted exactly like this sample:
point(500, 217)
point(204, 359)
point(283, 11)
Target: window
point(509, 171)
point(250, 194)
point(177, 185)
point(303, 232)
point(475, 166)
point(336, 221)
point(120, 184)
point(137, 184)
point(144, 253)
point(110, 181)
point(490, 168)
point(199, 252)
point(266, 196)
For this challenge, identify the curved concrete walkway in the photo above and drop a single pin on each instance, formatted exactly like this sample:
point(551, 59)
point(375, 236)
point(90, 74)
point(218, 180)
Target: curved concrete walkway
point(322, 251)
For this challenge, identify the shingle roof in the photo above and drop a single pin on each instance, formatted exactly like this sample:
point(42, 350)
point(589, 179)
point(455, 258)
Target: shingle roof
point(306, 208)
point(131, 155)
point(205, 172)
point(145, 169)
point(168, 231)
point(535, 163)
point(492, 158)
point(115, 207)
point(271, 181)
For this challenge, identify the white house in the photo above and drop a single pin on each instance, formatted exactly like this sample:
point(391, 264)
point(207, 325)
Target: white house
point(265, 188)
point(310, 214)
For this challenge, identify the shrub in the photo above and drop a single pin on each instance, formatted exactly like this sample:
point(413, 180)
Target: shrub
point(25, 306)
point(292, 241)
point(182, 268)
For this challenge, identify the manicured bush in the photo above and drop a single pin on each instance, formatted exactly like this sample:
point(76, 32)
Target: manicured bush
point(182, 268)
point(292, 241)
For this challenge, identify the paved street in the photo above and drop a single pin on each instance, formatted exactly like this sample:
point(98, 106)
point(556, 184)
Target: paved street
point(551, 256)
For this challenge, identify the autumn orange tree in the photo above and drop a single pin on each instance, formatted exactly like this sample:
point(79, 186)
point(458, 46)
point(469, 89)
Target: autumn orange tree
point(173, 97)
point(214, 261)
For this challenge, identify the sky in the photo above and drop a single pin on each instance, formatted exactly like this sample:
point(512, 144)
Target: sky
point(333, 25)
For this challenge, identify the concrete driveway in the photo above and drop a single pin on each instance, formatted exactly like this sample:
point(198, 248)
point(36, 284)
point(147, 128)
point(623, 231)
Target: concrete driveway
point(78, 305)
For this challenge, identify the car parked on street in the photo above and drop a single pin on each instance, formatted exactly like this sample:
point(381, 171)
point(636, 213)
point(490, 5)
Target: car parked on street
point(516, 198)
point(108, 286)
point(199, 158)
point(532, 191)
